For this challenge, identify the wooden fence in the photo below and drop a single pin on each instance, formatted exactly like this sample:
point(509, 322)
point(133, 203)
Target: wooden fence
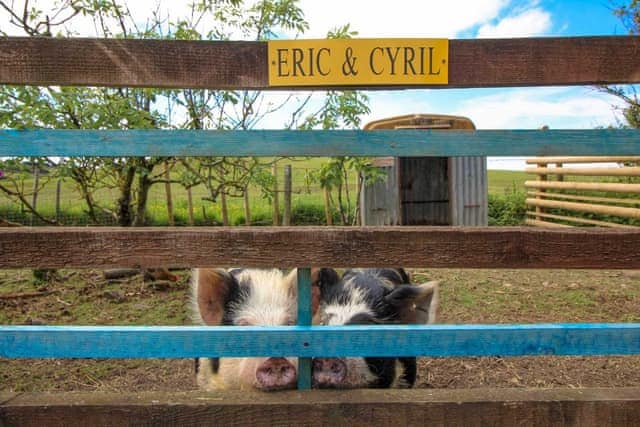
point(576, 196)
point(473, 63)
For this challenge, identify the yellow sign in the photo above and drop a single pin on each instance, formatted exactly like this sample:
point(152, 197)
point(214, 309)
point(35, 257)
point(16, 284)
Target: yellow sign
point(358, 62)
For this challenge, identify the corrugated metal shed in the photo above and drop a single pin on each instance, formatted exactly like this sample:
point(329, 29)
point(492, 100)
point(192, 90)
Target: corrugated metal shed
point(427, 190)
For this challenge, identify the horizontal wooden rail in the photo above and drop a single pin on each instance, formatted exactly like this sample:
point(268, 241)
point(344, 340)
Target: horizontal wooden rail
point(319, 143)
point(325, 341)
point(582, 159)
point(586, 207)
point(625, 171)
point(243, 65)
point(540, 223)
point(604, 407)
point(572, 219)
point(544, 194)
point(589, 186)
point(465, 247)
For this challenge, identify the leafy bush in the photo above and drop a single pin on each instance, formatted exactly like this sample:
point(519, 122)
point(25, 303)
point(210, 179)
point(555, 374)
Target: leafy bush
point(507, 209)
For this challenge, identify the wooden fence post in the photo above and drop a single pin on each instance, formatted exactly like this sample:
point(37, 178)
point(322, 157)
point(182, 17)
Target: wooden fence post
point(276, 206)
point(286, 214)
point(190, 205)
point(327, 207)
point(541, 177)
point(167, 189)
point(223, 208)
point(224, 213)
point(559, 177)
point(247, 209)
point(36, 182)
point(58, 190)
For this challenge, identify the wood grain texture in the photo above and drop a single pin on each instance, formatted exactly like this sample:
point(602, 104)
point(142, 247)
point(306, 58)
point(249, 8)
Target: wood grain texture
point(591, 186)
point(579, 159)
point(475, 407)
point(586, 207)
point(243, 65)
point(320, 341)
point(304, 319)
point(465, 247)
point(578, 220)
point(613, 171)
point(405, 143)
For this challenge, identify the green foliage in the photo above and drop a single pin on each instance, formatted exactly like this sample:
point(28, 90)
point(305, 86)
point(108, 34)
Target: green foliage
point(508, 208)
point(629, 14)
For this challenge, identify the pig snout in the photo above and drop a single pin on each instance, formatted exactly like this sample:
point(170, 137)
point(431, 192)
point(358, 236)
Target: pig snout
point(276, 373)
point(329, 372)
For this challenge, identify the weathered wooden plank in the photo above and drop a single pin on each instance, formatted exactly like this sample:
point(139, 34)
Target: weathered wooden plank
point(304, 319)
point(578, 220)
point(588, 407)
point(586, 207)
point(613, 171)
point(406, 143)
point(236, 65)
point(590, 186)
point(465, 247)
point(578, 159)
point(324, 341)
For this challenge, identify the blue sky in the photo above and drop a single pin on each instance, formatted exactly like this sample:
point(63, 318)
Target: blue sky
point(508, 108)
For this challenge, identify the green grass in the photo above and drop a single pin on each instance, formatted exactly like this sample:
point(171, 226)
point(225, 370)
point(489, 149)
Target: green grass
point(503, 182)
point(307, 200)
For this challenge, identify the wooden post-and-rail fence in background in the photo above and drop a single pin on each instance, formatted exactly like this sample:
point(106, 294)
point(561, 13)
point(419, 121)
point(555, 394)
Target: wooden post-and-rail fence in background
point(612, 200)
point(244, 65)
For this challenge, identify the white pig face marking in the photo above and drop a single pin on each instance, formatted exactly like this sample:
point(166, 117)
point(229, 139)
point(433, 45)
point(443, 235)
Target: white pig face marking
point(369, 297)
point(245, 298)
point(266, 298)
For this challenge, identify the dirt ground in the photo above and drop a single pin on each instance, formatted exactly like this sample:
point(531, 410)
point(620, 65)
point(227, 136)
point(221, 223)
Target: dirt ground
point(85, 297)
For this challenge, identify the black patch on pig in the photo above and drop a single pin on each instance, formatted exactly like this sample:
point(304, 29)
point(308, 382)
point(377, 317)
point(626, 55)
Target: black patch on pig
point(327, 280)
point(215, 364)
point(384, 368)
point(234, 297)
point(409, 371)
point(386, 304)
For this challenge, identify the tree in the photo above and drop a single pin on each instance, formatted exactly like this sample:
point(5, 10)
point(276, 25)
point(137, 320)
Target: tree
point(125, 108)
point(629, 14)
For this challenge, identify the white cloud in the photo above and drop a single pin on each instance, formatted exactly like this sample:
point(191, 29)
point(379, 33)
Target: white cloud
point(400, 18)
point(529, 23)
point(530, 108)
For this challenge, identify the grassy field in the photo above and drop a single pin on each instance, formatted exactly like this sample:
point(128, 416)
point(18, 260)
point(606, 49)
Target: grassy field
point(305, 194)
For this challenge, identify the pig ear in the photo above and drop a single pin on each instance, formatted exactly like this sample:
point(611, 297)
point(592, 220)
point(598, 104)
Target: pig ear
point(322, 279)
point(212, 288)
point(416, 304)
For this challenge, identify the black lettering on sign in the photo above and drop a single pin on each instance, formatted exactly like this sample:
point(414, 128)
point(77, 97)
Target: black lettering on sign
point(298, 57)
point(409, 56)
point(392, 59)
point(323, 71)
point(372, 62)
point(282, 61)
point(432, 72)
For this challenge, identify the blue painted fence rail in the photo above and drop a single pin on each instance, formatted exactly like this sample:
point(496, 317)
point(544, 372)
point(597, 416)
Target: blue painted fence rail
point(319, 143)
point(305, 341)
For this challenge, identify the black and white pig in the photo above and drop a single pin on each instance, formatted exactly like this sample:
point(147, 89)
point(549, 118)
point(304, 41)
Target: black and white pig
point(245, 297)
point(370, 297)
